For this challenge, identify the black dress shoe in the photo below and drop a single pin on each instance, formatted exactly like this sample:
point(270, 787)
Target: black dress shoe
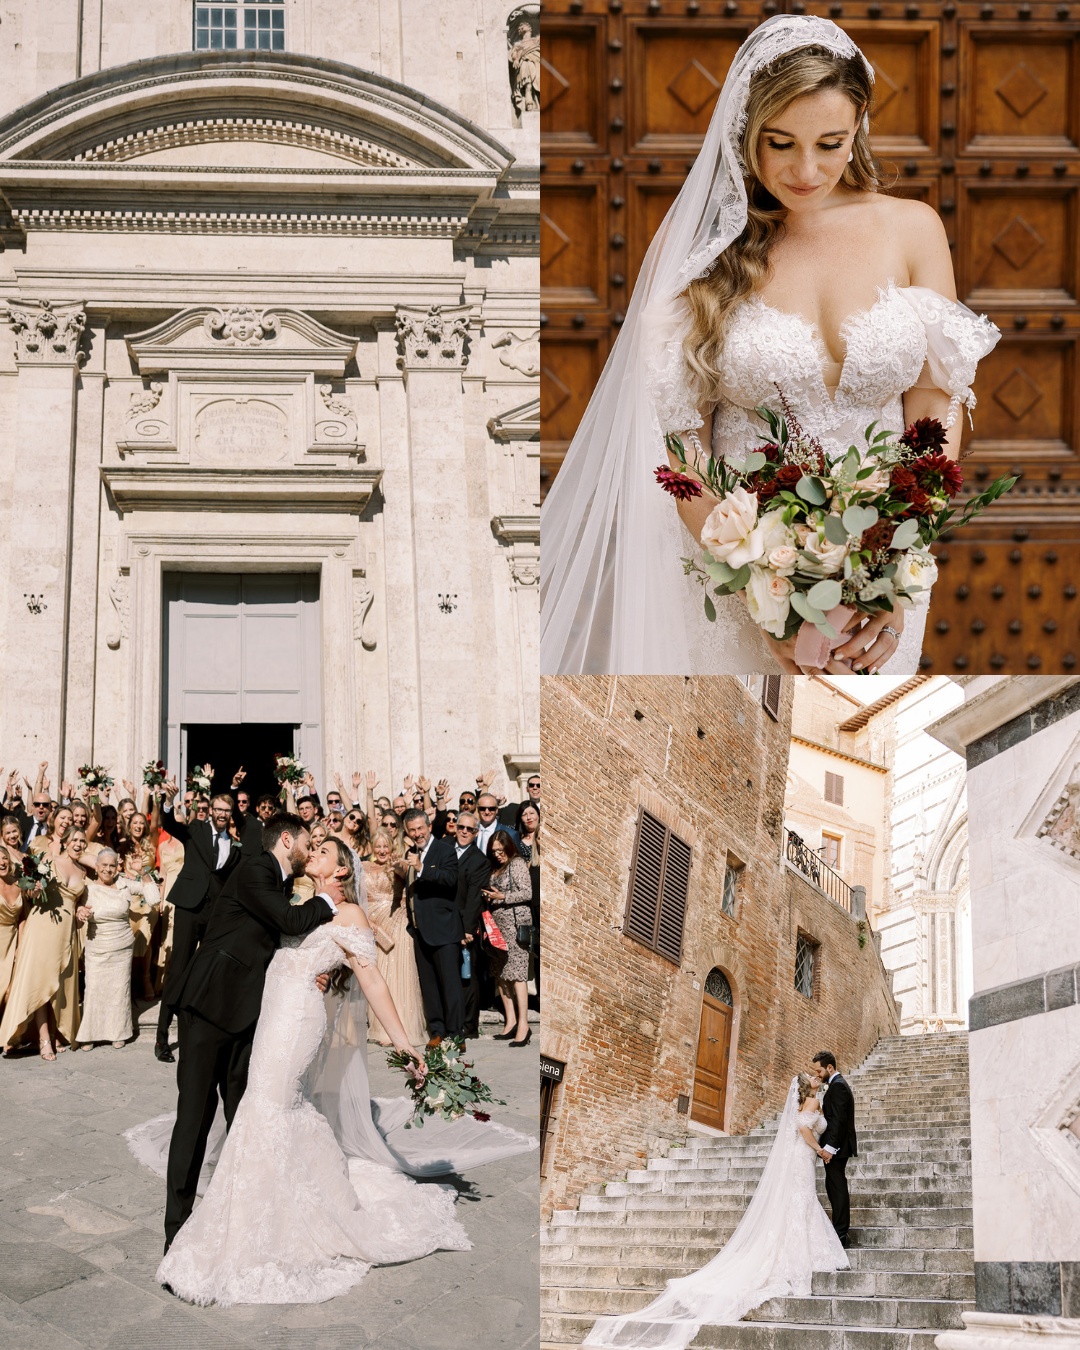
point(524, 1040)
point(506, 1035)
point(845, 1241)
point(162, 1052)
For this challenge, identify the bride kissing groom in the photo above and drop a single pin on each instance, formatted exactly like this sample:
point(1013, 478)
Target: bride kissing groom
point(311, 1187)
point(783, 1237)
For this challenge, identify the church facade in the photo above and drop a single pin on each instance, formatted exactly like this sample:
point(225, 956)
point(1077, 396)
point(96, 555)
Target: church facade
point(269, 362)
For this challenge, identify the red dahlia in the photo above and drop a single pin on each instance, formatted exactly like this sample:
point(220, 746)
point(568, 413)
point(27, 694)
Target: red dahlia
point(919, 502)
point(772, 452)
point(951, 477)
point(878, 536)
point(902, 478)
point(925, 434)
point(681, 487)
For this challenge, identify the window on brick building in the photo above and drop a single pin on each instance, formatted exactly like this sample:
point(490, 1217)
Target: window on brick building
point(834, 788)
point(805, 952)
point(659, 881)
point(830, 850)
point(731, 885)
point(770, 696)
point(234, 24)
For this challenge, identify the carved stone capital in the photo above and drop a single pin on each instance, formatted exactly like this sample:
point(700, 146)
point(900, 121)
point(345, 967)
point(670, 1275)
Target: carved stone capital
point(48, 333)
point(432, 339)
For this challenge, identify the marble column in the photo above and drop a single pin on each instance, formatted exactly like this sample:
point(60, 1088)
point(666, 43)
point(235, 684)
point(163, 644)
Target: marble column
point(48, 355)
point(1021, 739)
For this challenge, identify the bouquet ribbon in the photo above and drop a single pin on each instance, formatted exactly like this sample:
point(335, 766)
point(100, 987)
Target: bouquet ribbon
point(813, 648)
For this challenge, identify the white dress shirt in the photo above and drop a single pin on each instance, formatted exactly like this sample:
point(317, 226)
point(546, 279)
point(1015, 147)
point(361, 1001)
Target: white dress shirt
point(483, 835)
point(224, 844)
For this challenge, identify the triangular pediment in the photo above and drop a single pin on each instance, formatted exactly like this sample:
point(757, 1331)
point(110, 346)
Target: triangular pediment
point(517, 424)
point(230, 335)
point(1053, 823)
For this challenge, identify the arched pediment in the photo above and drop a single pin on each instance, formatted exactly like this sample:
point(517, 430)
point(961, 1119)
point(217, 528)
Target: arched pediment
point(246, 109)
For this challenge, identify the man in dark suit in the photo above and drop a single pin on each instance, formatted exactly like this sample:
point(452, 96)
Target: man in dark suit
point(210, 856)
point(248, 825)
point(37, 822)
point(508, 813)
point(474, 872)
point(219, 995)
point(430, 872)
point(838, 1141)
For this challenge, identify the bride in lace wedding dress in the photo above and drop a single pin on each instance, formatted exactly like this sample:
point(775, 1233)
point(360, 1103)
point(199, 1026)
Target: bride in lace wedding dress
point(781, 266)
point(309, 1191)
point(781, 1239)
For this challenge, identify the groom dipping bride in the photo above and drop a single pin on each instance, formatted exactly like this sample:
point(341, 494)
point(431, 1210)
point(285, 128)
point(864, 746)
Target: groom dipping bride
point(309, 1189)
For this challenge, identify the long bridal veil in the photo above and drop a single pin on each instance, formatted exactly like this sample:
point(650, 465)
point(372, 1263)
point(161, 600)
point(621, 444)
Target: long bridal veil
point(753, 1266)
point(610, 569)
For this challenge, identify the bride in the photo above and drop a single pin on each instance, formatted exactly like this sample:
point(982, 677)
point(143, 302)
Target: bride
point(310, 1189)
point(780, 1241)
point(781, 262)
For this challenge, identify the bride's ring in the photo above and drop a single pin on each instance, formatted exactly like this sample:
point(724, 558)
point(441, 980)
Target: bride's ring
point(887, 628)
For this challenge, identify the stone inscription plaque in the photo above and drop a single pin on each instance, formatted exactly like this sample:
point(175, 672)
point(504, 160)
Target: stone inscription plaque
point(241, 430)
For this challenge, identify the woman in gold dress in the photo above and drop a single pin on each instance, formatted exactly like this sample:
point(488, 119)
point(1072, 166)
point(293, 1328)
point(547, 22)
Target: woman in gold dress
point(45, 986)
point(62, 821)
point(395, 959)
point(138, 858)
point(11, 913)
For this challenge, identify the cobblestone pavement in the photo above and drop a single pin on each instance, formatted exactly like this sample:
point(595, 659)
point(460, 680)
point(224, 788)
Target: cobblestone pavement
point(81, 1227)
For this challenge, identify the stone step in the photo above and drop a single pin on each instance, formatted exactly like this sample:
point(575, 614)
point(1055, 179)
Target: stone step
point(870, 1284)
point(561, 1330)
point(884, 1189)
point(909, 1208)
point(941, 1314)
point(685, 1256)
point(694, 1227)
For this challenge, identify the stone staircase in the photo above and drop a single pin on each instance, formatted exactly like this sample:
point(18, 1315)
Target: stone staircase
point(912, 1264)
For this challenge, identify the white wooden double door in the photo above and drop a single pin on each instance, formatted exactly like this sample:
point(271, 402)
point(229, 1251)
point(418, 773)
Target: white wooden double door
point(242, 649)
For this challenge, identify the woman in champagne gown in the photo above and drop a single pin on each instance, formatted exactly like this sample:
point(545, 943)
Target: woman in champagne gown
point(138, 859)
point(45, 986)
point(108, 908)
point(309, 1192)
point(12, 906)
point(395, 959)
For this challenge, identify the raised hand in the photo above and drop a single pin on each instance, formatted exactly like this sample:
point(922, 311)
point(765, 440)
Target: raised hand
point(208, 769)
point(309, 781)
point(239, 776)
point(409, 780)
point(442, 790)
point(484, 780)
point(171, 788)
point(67, 788)
point(424, 784)
point(372, 780)
point(129, 786)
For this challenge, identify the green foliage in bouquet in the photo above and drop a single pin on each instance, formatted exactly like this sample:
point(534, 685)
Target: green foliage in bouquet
point(442, 1085)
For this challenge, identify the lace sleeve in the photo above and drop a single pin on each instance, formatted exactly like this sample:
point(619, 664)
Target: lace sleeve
point(354, 941)
point(956, 341)
point(667, 375)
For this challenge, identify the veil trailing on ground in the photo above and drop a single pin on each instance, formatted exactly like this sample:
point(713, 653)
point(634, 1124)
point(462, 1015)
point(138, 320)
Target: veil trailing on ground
point(748, 1270)
point(610, 540)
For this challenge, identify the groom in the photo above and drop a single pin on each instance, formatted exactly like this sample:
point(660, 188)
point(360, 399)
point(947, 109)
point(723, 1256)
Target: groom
point(838, 1140)
point(219, 994)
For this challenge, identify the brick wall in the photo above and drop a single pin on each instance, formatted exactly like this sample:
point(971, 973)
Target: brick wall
point(705, 757)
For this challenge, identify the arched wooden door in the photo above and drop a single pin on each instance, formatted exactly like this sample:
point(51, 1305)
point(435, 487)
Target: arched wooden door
point(714, 1051)
point(978, 113)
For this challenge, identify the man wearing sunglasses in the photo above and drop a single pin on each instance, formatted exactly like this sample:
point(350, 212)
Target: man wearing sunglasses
point(38, 821)
point(508, 814)
point(474, 873)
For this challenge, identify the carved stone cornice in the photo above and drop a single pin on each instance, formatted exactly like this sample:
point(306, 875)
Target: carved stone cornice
point(521, 535)
point(517, 424)
point(142, 487)
point(233, 336)
point(432, 338)
point(47, 333)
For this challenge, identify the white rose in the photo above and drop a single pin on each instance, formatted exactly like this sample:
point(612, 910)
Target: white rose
point(767, 600)
point(877, 481)
point(731, 533)
point(774, 533)
point(783, 560)
point(915, 568)
point(437, 1101)
point(825, 557)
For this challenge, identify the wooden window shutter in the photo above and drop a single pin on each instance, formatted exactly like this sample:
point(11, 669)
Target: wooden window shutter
point(770, 696)
point(834, 788)
point(659, 883)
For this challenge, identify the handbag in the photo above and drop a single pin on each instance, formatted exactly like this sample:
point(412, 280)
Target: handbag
point(525, 935)
point(492, 935)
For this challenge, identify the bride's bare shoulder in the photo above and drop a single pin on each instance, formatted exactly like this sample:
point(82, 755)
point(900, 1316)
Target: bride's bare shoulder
point(351, 915)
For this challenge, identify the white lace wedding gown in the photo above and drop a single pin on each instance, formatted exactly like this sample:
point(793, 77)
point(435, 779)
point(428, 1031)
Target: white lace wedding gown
point(783, 1237)
point(910, 335)
point(287, 1217)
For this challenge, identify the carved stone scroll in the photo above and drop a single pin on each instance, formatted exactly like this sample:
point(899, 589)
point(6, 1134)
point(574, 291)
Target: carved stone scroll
point(46, 332)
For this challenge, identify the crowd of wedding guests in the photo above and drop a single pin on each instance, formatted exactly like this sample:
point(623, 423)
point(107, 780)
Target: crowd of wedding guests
point(130, 885)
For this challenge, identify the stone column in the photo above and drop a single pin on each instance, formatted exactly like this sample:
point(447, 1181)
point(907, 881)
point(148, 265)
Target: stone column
point(433, 358)
point(1021, 737)
point(47, 338)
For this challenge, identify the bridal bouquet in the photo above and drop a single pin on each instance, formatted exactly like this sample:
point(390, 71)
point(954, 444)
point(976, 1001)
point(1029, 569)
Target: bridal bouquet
point(441, 1084)
point(153, 774)
point(288, 770)
point(199, 781)
point(35, 873)
point(813, 541)
point(94, 780)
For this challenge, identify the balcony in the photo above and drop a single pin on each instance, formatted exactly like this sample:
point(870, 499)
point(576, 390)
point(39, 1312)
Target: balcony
point(802, 858)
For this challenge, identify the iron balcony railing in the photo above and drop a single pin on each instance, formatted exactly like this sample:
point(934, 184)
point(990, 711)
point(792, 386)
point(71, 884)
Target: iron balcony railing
point(815, 869)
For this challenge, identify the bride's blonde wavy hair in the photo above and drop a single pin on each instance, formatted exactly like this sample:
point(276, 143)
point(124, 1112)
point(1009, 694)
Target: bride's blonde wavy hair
point(744, 264)
point(806, 1088)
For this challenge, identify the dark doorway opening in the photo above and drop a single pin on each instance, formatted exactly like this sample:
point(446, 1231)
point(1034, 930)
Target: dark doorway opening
point(228, 745)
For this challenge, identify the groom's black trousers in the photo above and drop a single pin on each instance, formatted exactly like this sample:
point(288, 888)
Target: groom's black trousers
point(211, 1062)
point(837, 1190)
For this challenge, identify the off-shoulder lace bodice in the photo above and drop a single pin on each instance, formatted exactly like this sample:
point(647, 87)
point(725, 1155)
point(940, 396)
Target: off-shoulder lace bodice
point(910, 335)
point(328, 947)
point(813, 1120)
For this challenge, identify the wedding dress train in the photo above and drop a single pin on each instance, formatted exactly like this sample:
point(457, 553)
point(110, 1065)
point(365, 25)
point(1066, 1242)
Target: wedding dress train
point(781, 1239)
point(310, 1189)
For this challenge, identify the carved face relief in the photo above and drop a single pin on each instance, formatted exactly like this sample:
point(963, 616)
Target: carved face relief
point(242, 326)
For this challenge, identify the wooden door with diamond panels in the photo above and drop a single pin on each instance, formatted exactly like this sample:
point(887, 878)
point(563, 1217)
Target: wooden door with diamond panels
point(977, 113)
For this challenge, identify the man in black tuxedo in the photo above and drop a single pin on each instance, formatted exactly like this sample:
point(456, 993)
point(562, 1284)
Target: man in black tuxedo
point(219, 995)
point(508, 813)
point(474, 872)
point(430, 872)
point(249, 826)
point(210, 857)
point(838, 1140)
point(36, 823)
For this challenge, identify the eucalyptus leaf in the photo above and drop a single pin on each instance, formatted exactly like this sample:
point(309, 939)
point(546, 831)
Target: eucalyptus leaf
point(809, 611)
point(835, 532)
point(720, 571)
point(811, 490)
point(710, 610)
point(825, 595)
point(754, 461)
point(859, 518)
point(739, 580)
point(905, 534)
